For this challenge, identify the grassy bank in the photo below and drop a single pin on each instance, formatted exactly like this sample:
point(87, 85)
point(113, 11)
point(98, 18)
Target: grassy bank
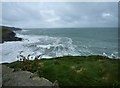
point(74, 70)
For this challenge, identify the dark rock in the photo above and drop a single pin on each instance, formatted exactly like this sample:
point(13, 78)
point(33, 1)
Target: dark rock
point(10, 28)
point(8, 35)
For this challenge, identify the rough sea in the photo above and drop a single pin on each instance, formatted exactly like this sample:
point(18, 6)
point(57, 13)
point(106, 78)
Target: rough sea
point(57, 42)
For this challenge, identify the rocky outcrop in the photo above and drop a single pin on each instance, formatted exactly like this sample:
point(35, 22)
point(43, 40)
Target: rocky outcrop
point(7, 34)
point(22, 78)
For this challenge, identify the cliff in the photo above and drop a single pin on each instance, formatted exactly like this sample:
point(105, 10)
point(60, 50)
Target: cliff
point(11, 28)
point(7, 34)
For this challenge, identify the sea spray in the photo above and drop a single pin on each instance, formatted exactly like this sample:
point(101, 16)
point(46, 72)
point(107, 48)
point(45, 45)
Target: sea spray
point(62, 42)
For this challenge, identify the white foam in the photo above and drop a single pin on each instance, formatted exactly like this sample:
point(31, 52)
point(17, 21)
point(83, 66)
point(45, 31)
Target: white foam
point(25, 30)
point(45, 46)
point(47, 57)
point(104, 54)
point(10, 50)
point(28, 38)
point(34, 45)
point(113, 55)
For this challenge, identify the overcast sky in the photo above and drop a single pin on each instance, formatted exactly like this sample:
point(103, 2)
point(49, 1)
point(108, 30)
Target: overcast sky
point(60, 14)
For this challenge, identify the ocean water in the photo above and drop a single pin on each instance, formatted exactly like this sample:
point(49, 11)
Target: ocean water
point(57, 42)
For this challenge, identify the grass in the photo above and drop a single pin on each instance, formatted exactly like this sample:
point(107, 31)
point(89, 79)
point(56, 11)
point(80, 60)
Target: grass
point(74, 70)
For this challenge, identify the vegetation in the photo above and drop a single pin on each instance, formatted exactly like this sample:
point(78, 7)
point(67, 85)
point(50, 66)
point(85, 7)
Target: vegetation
point(74, 70)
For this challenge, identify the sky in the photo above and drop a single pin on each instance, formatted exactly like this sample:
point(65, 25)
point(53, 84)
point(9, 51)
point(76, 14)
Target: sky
point(60, 14)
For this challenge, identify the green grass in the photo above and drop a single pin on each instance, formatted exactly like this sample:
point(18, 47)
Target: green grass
point(74, 70)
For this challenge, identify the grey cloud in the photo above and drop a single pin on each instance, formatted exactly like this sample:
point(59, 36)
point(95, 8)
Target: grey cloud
point(60, 14)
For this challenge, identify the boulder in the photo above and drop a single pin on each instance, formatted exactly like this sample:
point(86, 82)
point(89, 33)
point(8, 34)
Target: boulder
point(22, 78)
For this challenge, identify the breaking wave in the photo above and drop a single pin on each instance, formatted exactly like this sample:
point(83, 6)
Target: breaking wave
point(35, 45)
point(45, 46)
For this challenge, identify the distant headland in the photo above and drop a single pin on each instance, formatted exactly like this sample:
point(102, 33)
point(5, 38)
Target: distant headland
point(8, 34)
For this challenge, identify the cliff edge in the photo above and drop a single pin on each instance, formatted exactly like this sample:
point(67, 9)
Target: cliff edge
point(7, 34)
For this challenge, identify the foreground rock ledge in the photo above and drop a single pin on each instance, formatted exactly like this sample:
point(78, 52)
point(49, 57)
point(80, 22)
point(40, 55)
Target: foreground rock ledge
point(22, 78)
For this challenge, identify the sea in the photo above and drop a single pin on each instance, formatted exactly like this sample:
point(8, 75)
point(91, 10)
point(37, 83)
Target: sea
point(57, 42)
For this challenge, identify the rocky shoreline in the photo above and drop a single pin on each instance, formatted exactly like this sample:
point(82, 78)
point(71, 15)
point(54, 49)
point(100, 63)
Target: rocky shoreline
point(8, 34)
